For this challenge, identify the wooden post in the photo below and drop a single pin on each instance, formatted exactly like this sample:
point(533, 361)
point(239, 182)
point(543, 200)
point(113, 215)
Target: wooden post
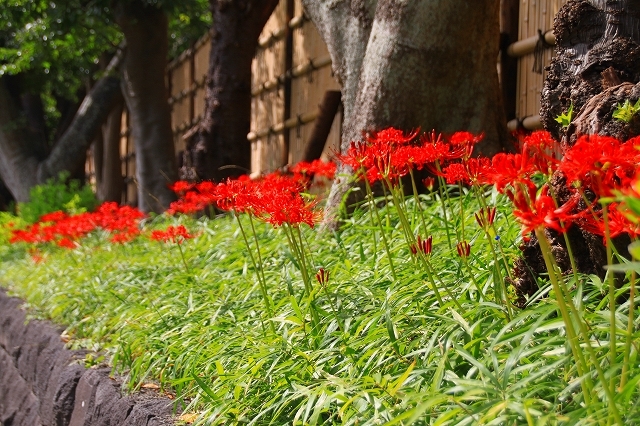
point(509, 19)
point(322, 125)
point(288, 64)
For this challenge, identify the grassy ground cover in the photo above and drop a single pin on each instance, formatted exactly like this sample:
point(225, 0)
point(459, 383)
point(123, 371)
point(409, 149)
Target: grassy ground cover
point(395, 329)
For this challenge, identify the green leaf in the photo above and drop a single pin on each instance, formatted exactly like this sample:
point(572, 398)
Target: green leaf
point(565, 118)
point(634, 249)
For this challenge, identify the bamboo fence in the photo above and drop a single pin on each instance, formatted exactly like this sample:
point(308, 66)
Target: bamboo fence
point(291, 72)
point(535, 30)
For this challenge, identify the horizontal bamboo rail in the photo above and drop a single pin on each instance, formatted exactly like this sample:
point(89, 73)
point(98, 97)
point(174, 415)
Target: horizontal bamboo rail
point(528, 45)
point(299, 71)
point(188, 92)
point(285, 125)
point(528, 123)
point(280, 33)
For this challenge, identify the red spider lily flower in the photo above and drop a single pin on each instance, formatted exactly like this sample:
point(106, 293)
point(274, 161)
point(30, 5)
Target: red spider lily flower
point(475, 171)
point(24, 236)
point(478, 171)
point(276, 199)
point(539, 210)
point(425, 246)
point(64, 229)
point(194, 198)
point(540, 149)
point(600, 162)
point(391, 136)
point(175, 234)
point(315, 168)
point(429, 183)
point(190, 202)
point(509, 170)
point(617, 221)
point(322, 276)
point(181, 186)
point(66, 243)
point(234, 195)
point(464, 249)
point(465, 141)
point(53, 217)
point(358, 156)
point(455, 173)
point(435, 149)
point(292, 210)
point(465, 138)
point(485, 217)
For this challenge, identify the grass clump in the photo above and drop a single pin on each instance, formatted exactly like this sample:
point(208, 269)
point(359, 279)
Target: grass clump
point(403, 316)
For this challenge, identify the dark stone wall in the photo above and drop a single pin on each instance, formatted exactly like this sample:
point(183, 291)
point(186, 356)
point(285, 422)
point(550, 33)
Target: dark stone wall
point(43, 383)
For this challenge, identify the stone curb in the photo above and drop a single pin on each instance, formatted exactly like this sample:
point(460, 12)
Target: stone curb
point(43, 383)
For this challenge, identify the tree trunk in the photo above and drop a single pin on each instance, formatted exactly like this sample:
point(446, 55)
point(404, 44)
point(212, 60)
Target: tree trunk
point(596, 67)
point(220, 148)
point(597, 55)
point(107, 160)
point(408, 64)
point(146, 95)
point(20, 165)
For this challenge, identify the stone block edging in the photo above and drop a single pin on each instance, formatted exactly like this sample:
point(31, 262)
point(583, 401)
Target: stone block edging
point(43, 383)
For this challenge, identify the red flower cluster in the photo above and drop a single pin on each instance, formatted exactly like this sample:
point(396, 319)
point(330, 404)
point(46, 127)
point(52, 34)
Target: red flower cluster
point(600, 165)
point(175, 234)
point(391, 154)
point(64, 230)
point(306, 170)
point(274, 198)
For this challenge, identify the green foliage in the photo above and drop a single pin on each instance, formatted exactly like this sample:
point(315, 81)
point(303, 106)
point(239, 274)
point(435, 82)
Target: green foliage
point(57, 194)
point(8, 222)
point(189, 21)
point(392, 355)
point(565, 118)
point(55, 46)
point(626, 111)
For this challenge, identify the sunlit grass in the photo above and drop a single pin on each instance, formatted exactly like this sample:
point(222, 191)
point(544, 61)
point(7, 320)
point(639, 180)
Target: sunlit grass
point(392, 355)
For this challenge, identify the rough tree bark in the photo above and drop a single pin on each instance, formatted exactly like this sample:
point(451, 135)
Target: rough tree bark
point(596, 67)
point(220, 148)
point(22, 165)
point(408, 64)
point(147, 98)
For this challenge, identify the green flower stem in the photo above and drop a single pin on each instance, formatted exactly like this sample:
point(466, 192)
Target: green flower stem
point(500, 288)
point(566, 308)
point(184, 262)
point(406, 226)
point(613, 350)
point(417, 200)
point(258, 252)
point(581, 364)
point(303, 258)
point(461, 198)
point(299, 249)
point(382, 233)
point(482, 201)
point(473, 278)
point(258, 269)
point(624, 376)
point(444, 193)
point(430, 275)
